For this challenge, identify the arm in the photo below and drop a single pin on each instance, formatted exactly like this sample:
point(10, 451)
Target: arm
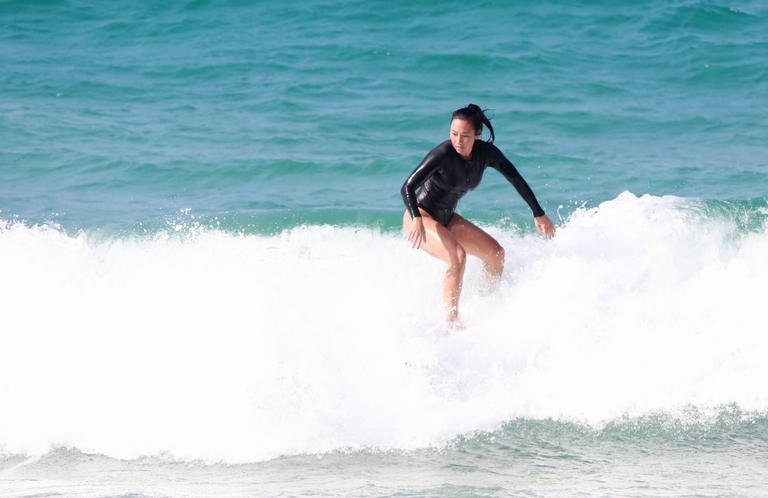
point(417, 234)
point(499, 162)
point(503, 165)
point(427, 166)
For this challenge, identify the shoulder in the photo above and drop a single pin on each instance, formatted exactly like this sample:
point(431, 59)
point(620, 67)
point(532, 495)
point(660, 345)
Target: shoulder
point(443, 149)
point(490, 154)
point(487, 149)
point(438, 154)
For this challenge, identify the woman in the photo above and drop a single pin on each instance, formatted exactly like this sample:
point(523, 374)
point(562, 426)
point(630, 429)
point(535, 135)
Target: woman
point(449, 171)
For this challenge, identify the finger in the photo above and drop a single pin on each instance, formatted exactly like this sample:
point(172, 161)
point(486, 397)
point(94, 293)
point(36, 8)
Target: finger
point(416, 240)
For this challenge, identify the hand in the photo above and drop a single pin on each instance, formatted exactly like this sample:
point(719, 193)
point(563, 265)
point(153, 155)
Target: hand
point(545, 226)
point(418, 234)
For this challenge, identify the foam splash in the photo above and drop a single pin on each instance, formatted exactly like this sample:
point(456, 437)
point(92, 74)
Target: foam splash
point(217, 346)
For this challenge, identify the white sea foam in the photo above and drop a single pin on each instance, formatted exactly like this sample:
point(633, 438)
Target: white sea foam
point(217, 346)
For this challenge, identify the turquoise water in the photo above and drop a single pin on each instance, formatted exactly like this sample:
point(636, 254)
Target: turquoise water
point(205, 290)
point(270, 116)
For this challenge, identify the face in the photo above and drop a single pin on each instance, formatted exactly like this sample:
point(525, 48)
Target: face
point(463, 137)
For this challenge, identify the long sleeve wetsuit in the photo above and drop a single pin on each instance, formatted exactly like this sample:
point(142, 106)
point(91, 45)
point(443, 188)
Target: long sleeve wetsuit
point(444, 177)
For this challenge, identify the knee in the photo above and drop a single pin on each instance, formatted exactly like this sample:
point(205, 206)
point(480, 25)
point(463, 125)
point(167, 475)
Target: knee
point(499, 253)
point(494, 260)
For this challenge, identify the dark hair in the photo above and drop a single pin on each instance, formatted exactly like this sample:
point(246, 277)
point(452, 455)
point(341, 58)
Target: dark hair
point(476, 118)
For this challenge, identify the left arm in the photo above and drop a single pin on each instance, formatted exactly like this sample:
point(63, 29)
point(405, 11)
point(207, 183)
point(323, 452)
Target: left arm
point(504, 166)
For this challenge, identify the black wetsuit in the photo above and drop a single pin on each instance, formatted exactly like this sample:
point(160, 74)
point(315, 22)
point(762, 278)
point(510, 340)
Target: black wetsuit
point(444, 177)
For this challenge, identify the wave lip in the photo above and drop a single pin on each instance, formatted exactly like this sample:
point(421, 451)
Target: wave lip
point(217, 346)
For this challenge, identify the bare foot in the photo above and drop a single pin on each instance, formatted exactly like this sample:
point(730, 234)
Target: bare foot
point(453, 321)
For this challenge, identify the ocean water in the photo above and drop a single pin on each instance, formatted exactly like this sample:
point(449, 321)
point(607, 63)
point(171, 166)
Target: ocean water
point(205, 291)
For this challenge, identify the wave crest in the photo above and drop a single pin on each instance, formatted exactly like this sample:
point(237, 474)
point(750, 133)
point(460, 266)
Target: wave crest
point(220, 346)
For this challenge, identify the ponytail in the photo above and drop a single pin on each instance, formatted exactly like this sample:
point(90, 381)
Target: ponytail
point(476, 116)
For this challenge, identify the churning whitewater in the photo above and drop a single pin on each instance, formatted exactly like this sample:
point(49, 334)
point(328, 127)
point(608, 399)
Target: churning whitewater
point(209, 345)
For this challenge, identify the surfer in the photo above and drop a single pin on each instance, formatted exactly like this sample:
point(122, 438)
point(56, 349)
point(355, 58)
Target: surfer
point(444, 176)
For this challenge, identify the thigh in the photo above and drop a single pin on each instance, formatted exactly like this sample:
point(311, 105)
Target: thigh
point(474, 239)
point(440, 242)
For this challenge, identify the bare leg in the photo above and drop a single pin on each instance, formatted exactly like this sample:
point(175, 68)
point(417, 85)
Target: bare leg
point(478, 243)
point(441, 244)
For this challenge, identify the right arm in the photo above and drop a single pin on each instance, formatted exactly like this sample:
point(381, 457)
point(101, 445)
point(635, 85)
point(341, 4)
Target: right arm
point(417, 234)
point(426, 167)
